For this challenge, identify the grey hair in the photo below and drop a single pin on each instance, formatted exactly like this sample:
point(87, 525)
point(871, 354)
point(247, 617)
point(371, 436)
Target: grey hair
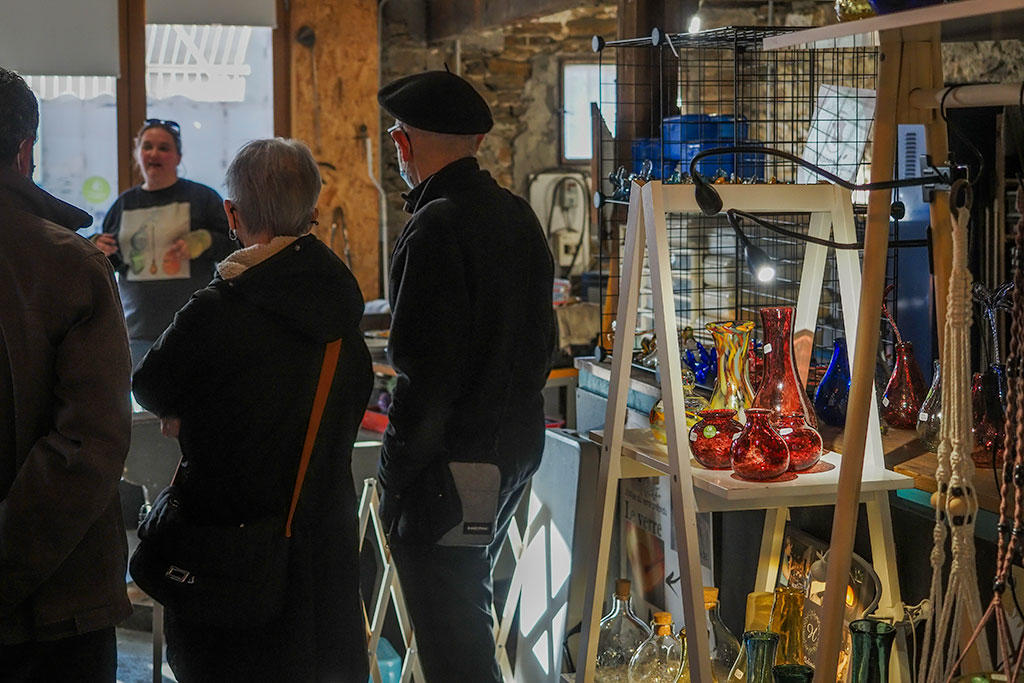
point(274, 185)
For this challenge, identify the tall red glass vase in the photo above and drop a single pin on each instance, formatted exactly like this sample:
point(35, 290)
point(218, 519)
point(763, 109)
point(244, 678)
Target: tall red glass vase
point(905, 392)
point(780, 390)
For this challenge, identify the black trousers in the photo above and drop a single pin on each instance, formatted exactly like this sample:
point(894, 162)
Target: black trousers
point(449, 592)
point(88, 658)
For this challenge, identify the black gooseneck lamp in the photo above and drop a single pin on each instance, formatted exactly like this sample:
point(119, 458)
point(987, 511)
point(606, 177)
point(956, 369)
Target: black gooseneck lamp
point(761, 266)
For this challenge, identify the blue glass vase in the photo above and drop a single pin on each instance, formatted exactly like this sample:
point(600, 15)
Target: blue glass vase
point(833, 391)
point(886, 6)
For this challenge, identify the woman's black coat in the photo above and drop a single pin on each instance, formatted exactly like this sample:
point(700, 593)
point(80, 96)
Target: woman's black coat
point(239, 366)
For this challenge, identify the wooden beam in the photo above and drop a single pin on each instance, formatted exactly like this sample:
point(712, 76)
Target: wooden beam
point(131, 88)
point(282, 48)
point(448, 18)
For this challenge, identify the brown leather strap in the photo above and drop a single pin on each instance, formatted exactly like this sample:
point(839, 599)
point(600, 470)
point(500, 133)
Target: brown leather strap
point(323, 388)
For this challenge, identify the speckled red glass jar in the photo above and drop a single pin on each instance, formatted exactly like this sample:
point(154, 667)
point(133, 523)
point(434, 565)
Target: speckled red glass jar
point(759, 452)
point(905, 392)
point(711, 438)
point(802, 440)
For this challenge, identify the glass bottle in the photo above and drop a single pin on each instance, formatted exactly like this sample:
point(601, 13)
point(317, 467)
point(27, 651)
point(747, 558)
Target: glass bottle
point(793, 673)
point(725, 648)
point(871, 644)
point(905, 391)
point(693, 402)
point(758, 657)
point(659, 659)
point(851, 10)
point(732, 388)
point(833, 392)
point(929, 419)
point(758, 614)
point(620, 634)
point(759, 452)
point(711, 438)
point(781, 391)
point(787, 621)
point(803, 441)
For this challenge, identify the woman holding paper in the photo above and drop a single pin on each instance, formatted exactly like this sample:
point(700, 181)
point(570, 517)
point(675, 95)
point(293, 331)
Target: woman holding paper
point(164, 237)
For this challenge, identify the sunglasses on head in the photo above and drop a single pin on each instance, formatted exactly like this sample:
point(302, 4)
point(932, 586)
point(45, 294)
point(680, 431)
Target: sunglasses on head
point(169, 125)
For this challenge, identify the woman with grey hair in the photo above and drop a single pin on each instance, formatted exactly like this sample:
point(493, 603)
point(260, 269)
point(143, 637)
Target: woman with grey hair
point(233, 379)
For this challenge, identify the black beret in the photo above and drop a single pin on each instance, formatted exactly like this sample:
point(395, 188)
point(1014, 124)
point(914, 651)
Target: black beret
point(438, 101)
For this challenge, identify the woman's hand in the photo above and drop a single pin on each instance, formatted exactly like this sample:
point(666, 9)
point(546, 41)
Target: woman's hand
point(169, 426)
point(106, 243)
point(179, 251)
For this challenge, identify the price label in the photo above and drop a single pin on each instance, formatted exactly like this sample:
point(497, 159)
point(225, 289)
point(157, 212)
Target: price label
point(767, 348)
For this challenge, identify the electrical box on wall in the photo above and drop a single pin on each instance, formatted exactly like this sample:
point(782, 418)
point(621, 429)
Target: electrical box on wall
point(560, 198)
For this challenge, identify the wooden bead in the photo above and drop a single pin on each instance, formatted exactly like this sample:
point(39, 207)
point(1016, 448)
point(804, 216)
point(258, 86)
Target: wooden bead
point(958, 506)
point(938, 500)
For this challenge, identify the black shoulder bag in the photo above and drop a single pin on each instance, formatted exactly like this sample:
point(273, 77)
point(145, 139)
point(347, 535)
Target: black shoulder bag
point(224, 575)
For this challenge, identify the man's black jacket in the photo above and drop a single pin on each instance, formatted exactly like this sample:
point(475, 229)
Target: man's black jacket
point(471, 339)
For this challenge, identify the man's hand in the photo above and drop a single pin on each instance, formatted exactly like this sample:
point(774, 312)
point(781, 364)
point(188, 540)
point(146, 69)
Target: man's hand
point(106, 243)
point(169, 426)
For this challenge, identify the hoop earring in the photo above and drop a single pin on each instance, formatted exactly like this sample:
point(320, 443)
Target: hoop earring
point(232, 235)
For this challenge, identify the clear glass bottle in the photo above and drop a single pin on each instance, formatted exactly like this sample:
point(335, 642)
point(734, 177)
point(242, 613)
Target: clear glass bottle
point(620, 634)
point(725, 648)
point(929, 419)
point(660, 658)
point(787, 621)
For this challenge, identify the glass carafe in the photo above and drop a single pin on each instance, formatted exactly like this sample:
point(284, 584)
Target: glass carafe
point(620, 634)
point(929, 419)
point(781, 390)
point(724, 647)
point(905, 391)
point(659, 659)
point(871, 644)
point(833, 392)
point(732, 388)
point(787, 621)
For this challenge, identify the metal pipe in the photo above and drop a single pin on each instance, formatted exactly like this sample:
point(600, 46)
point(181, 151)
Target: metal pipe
point(960, 96)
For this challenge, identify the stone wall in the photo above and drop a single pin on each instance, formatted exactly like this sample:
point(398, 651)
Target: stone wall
point(517, 70)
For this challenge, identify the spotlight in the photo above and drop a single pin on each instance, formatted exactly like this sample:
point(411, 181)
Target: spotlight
point(760, 264)
point(694, 26)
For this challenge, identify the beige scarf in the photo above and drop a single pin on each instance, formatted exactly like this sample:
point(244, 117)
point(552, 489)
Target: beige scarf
point(242, 260)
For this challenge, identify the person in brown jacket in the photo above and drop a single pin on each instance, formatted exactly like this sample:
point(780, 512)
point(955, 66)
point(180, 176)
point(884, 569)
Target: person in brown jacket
point(65, 423)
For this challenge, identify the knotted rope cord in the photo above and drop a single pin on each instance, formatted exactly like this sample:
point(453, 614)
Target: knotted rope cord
point(954, 477)
point(1010, 536)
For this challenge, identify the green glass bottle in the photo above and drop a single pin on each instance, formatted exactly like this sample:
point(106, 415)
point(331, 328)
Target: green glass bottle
point(760, 647)
point(793, 673)
point(871, 644)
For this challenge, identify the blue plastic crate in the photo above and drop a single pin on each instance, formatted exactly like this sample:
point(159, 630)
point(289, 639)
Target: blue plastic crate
point(650, 148)
point(720, 129)
point(389, 662)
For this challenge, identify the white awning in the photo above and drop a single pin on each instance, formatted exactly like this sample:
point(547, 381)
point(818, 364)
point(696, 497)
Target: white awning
point(227, 12)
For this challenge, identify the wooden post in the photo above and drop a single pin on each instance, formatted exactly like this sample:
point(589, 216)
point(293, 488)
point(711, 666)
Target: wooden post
point(131, 88)
point(876, 242)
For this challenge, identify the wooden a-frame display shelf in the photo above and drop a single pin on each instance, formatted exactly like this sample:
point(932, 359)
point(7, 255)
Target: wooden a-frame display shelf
point(633, 453)
point(910, 89)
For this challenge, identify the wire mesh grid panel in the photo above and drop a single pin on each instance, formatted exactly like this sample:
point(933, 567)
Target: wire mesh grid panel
point(680, 96)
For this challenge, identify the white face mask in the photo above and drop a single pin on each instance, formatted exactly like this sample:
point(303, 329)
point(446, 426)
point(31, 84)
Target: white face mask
point(403, 170)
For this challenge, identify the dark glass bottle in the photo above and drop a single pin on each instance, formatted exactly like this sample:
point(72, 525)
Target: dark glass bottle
point(793, 673)
point(871, 644)
point(760, 647)
point(833, 392)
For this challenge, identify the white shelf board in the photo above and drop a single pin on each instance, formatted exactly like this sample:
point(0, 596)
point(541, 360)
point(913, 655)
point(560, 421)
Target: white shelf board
point(967, 20)
point(718, 490)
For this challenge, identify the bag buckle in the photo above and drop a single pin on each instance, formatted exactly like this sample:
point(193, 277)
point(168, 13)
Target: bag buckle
point(180, 575)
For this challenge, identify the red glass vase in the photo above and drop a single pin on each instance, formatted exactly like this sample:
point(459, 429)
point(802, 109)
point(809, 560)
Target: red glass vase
point(780, 390)
point(759, 452)
point(711, 438)
point(803, 441)
point(906, 390)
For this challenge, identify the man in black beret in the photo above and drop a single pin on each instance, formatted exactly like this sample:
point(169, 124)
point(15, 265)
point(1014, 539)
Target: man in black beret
point(471, 339)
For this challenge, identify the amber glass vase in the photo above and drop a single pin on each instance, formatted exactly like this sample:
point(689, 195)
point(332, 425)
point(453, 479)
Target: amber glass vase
point(759, 452)
point(803, 441)
point(732, 388)
point(711, 438)
point(905, 392)
point(780, 390)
